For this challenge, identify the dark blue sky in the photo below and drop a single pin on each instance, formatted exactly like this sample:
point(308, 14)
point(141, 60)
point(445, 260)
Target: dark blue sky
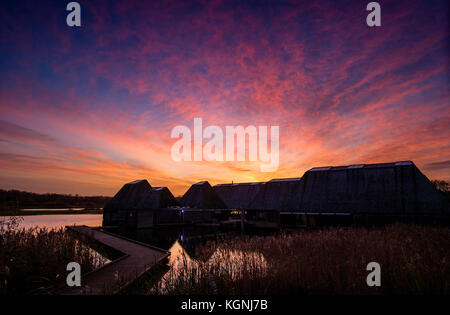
point(84, 109)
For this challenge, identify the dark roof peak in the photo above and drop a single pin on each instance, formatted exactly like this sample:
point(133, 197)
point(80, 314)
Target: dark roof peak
point(238, 184)
point(202, 183)
point(357, 166)
point(278, 180)
point(138, 181)
point(202, 196)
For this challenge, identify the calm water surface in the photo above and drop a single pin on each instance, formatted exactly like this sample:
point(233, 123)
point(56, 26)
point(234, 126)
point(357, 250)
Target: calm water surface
point(180, 242)
point(58, 220)
point(54, 209)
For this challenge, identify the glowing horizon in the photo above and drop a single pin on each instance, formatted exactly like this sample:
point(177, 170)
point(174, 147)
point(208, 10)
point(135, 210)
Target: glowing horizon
point(84, 111)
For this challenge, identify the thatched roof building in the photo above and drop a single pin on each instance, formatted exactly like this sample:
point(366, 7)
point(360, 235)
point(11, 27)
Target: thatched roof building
point(397, 187)
point(238, 196)
point(130, 195)
point(159, 197)
point(202, 196)
point(127, 198)
point(278, 194)
point(384, 188)
point(136, 199)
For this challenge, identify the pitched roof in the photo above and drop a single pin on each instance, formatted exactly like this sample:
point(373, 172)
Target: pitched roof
point(239, 195)
point(356, 166)
point(397, 187)
point(202, 196)
point(278, 194)
point(129, 196)
point(159, 197)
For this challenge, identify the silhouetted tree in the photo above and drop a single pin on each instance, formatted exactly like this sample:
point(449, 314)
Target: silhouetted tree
point(442, 186)
point(15, 199)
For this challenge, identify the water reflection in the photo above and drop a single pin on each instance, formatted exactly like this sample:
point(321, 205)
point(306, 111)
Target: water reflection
point(233, 264)
point(185, 265)
point(189, 236)
point(54, 209)
point(57, 220)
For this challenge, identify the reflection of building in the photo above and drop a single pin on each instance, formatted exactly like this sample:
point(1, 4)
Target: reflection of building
point(220, 262)
point(344, 195)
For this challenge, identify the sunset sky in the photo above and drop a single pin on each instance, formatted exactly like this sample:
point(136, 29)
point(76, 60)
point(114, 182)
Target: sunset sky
point(84, 110)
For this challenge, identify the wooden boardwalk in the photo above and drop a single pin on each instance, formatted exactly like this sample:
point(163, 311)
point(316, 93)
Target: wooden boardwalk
point(137, 259)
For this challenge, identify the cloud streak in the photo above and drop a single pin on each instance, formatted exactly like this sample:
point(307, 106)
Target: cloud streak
point(97, 104)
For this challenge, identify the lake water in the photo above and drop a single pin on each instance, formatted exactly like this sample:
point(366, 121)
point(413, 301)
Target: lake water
point(181, 242)
point(54, 209)
point(58, 220)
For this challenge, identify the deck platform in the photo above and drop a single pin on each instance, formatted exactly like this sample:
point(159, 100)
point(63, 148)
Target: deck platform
point(137, 259)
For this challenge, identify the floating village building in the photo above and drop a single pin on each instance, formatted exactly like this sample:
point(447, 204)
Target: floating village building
point(363, 194)
point(139, 205)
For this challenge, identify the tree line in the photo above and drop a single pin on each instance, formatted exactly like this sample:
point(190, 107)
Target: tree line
point(16, 199)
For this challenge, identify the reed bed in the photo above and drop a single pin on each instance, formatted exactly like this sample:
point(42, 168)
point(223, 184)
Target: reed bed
point(413, 259)
point(34, 260)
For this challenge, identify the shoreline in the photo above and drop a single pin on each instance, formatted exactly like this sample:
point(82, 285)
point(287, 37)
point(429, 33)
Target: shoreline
point(19, 213)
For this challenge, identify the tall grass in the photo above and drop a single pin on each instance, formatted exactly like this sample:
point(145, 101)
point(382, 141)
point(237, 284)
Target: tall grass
point(413, 259)
point(33, 260)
